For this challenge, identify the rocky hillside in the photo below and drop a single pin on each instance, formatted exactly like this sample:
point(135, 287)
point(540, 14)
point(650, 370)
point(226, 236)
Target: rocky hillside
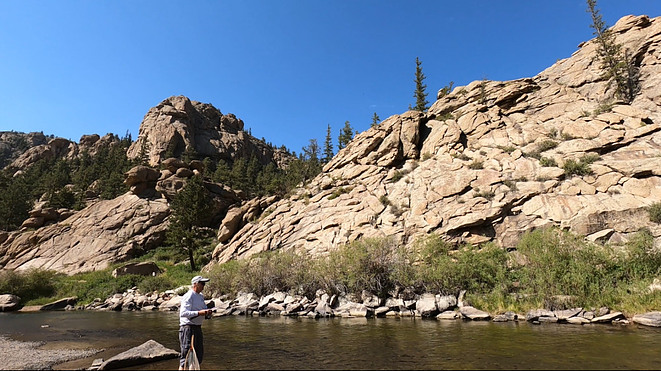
point(108, 231)
point(488, 162)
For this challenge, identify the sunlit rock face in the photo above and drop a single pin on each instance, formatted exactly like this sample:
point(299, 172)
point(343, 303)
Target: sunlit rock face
point(487, 163)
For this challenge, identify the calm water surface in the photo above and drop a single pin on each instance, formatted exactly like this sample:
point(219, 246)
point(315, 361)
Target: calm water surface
point(349, 343)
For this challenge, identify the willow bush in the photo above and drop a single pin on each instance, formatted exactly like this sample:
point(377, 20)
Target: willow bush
point(28, 285)
point(375, 265)
point(445, 270)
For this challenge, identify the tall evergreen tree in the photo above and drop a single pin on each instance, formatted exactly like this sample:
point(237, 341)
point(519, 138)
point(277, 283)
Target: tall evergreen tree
point(328, 146)
point(420, 95)
point(189, 207)
point(619, 68)
point(375, 120)
point(346, 134)
point(15, 201)
point(143, 155)
point(222, 174)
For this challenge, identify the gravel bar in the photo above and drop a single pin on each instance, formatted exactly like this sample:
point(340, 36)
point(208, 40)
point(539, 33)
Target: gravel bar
point(27, 355)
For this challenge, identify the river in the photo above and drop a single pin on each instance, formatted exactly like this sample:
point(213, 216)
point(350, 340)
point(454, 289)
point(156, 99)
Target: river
point(237, 342)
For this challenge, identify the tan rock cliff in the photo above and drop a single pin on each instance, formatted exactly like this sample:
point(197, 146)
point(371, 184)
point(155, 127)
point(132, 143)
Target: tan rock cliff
point(485, 163)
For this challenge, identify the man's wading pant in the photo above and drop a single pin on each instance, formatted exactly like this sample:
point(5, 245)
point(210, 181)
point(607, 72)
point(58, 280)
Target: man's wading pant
point(185, 334)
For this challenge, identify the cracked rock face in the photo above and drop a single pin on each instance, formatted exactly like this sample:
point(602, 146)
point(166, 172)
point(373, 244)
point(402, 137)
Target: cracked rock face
point(103, 233)
point(487, 163)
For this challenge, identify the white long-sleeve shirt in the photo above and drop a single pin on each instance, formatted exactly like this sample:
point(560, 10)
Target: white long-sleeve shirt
point(191, 302)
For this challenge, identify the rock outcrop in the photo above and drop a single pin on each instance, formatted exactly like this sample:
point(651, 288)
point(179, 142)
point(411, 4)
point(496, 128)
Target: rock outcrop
point(488, 162)
point(105, 232)
point(14, 144)
point(178, 125)
point(55, 148)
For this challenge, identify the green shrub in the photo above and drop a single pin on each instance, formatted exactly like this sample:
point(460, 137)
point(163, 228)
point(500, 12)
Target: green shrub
point(339, 191)
point(655, 212)
point(264, 274)
point(224, 278)
point(641, 261)
point(546, 145)
point(384, 200)
point(547, 162)
point(489, 195)
point(507, 149)
point(511, 184)
point(368, 264)
point(461, 156)
point(476, 165)
point(396, 176)
point(580, 167)
point(602, 108)
point(534, 154)
point(158, 283)
point(478, 270)
point(559, 263)
point(28, 285)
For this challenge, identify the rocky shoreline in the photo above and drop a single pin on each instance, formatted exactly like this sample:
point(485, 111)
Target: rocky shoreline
point(425, 306)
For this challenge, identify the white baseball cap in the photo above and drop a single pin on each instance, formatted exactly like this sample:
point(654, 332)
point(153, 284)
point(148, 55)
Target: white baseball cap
point(197, 279)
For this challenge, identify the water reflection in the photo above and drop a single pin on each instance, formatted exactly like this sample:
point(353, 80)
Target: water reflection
point(350, 343)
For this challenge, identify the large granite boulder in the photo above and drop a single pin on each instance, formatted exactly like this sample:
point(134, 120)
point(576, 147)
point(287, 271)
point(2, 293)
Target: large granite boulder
point(150, 351)
point(9, 302)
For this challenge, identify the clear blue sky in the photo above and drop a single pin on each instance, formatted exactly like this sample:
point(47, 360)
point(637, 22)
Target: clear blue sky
point(288, 68)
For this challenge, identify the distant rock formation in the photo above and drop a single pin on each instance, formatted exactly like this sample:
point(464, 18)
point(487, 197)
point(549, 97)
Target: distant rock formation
point(56, 148)
point(487, 163)
point(13, 144)
point(178, 125)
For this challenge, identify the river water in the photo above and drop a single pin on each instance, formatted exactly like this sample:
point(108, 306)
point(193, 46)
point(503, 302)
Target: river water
point(237, 342)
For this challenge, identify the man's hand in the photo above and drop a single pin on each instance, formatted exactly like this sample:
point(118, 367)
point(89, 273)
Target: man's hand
point(203, 312)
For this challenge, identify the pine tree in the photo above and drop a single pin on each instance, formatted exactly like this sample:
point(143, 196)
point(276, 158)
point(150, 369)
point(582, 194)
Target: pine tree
point(346, 134)
point(375, 120)
point(617, 65)
point(420, 95)
point(189, 207)
point(447, 89)
point(15, 201)
point(328, 146)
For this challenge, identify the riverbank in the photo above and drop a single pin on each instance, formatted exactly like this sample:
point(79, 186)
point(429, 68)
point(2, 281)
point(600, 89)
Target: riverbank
point(32, 355)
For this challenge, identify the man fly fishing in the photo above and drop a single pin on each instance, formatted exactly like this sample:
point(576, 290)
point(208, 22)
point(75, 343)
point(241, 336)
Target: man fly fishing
point(192, 312)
